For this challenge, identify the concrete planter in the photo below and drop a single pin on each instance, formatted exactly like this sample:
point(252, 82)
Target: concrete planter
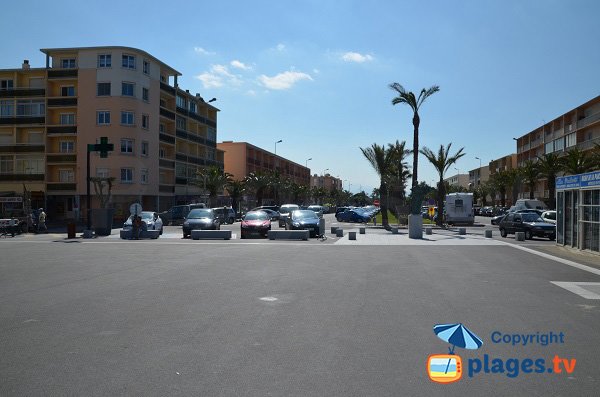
point(102, 221)
point(415, 226)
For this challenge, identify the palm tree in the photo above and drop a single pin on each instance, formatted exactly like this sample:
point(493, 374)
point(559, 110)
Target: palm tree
point(236, 190)
point(383, 161)
point(257, 183)
point(441, 162)
point(550, 165)
point(214, 179)
point(399, 173)
point(530, 172)
point(577, 162)
point(409, 98)
point(501, 182)
point(482, 191)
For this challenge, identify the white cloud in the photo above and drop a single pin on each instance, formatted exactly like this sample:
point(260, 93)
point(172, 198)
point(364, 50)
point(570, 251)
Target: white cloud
point(283, 81)
point(217, 76)
point(210, 80)
point(239, 65)
point(356, 57)
point(280, 47)
point(202, 51)
point(251, 92)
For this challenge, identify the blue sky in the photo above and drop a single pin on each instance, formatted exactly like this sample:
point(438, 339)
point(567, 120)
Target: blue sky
point(316, 73)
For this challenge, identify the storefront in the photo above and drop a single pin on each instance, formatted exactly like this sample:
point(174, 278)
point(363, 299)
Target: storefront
point(578, 211)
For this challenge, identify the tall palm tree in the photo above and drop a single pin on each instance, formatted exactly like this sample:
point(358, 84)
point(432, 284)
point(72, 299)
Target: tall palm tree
point(577, 162)
point(382, 160)
point(501, 182)
point(409, 98)
point(442, 161)
point(236, 190)
point(550, 165)
point(530, 172)
point(257, 183)
point(214, 179)
point(399, 173)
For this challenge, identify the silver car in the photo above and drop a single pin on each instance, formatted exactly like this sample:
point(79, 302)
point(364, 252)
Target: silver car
point(150, 219)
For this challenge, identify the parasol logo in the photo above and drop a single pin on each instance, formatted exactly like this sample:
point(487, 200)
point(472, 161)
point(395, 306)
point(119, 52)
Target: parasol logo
point(448, 368)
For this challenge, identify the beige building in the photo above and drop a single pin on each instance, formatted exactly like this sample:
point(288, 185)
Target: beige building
point(478, 176)
point(461, 180)
point(326, 182)
point(161, 134)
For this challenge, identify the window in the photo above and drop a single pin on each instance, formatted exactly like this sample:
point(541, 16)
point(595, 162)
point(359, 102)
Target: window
point(127, 89)
point(67, 119)
point(103, 117)
point(128, 61)
point(181, 102)
point(161, 127)
point(193, 107)
point(162, 153)
point(102, 172)
point(180, 123)
point(163, 79)
point(35, 137)
point(29, 164)
point(7, 108)
point(67, 176)
point(145, 121)
point(103, 89)
point(7, 165)
point(67, 91)
point(210, 153)
point(145, 94)
point(146, 67)
point(144, 175)
point(127, 146)
point(66, 147)
point(67, 63)
point(550, 147)
point(571, 140)
point(31, 108)
point(126, 175)
point(211, 134)
point(127, 118)
point(104, 61)
point(6, 84)
point(559, 144)
point(144, 148)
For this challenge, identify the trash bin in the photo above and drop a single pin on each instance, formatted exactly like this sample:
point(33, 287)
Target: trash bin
point(71, 230)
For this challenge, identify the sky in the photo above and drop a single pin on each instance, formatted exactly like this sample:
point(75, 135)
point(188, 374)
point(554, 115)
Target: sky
point(316, 73)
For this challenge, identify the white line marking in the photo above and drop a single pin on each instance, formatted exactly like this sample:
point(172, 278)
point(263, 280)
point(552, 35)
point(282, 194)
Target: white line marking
point(557, 259)
point(268, 299)
point(575, 287)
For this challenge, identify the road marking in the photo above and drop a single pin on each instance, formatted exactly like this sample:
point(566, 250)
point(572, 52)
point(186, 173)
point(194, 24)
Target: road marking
point(578, 288)
point(557, 259)
point(268, 299)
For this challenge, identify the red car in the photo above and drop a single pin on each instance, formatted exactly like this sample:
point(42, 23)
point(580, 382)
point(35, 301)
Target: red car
point(255, 223)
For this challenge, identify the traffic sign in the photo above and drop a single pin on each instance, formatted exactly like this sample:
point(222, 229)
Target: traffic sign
point(135, 209)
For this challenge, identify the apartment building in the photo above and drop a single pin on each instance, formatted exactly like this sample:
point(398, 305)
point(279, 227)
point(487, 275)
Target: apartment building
point(479, 176)
point(242, 158)
point(326, 182)
point(577, 128)
point(461, 180)
point(161, 134)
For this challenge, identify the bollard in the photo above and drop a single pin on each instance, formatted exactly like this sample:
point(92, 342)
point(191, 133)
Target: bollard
point(352, 235)
point(339, 233)
point(488, 233)
point(362, 230)
point(520, 236)
point(333, 229)
point(394, 230)
point(462, 231)
point(428, 230)
point(71, 231)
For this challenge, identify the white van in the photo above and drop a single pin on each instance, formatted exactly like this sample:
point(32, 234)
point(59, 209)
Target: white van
point(524, 204)
point(459, 208)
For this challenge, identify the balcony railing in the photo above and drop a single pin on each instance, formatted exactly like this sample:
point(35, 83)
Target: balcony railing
point(167, 88)
point(588, 120)
point(588, 144)
point(166, 138)
point(181, 181)
point(22, 148)
point(23, 120)
point(61, 186)
point(58, 102)
point(63, 129)
point(21, 177)
point(166, 163)
point(62, 73)
point(62, 158)
point(22, 92)
point(167, 113)
point(166, 189)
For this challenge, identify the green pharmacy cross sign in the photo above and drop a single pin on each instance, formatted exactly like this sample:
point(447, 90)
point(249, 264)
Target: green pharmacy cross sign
point(103, 147)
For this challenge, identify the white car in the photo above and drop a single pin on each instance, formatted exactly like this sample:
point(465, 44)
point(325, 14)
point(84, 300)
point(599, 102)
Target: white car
point(549, 217)
point(151, 219)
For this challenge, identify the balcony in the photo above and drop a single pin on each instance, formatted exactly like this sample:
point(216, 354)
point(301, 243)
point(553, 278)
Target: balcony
point(588, 120)
point(22, 148)
point(166, 163)
point(190, 137)
point(62, 130)
point(23, 120)
point(22, 92)
point(166, 189)
point(166, 138)
point(62, 102)
point(167, 88)
point(21, 177)
point(61, 187)
point(181, 181)
point(62, 73)
point(167, 113)
point(585, 145)
point(61, 158)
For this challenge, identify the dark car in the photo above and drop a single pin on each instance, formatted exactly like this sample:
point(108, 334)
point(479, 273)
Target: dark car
point(177, 214)
point(255, 223)
point(353, 215)
point(528, 222)
point(303, 220)
point(317, 209)
point(225, 214)
point(200, 219)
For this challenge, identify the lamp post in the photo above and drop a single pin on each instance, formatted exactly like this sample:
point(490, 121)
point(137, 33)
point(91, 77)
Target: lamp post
point(279, 141)
point(478, 172)
point(325, 170)
point(457, 176)
point(307, 160)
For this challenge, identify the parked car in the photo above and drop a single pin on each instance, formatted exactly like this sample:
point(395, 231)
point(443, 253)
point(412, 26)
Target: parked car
point(549, 216)
point(151, 219)
point(303, 220)
point(353, 215)
point(284, 212)
point(341, 209)
point(255, 223)
point(528, 222)
point(227, 216)
point(176, 215)
point(496, 219)
point(274, 215)
point(200, 219)
point(317, 209)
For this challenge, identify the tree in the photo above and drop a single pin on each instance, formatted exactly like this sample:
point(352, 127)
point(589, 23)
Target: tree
point(482, 192)
point(577, 162)
point(214, 179)
point(257, 183)
point(501, 181)
point(99, 184)
point(442, 161)
point(530, 172)
point(550, 165)
point(236, 190)
point(409, 98)
point(382, 160)
point(399, 173)
point(318, 194)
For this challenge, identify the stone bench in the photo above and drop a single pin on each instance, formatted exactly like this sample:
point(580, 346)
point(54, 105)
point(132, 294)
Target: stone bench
point(352, 235)
point(428, 230)
point(127, 234)
point(520, 236)
point(488, 233)
point(210, 234)
point(288, 234)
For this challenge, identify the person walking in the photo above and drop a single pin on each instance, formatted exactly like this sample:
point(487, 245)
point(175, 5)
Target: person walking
point(42, 222)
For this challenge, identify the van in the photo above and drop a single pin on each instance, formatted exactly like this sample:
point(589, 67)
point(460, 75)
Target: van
point(459, 208)
point(524, 204)
point(175, 215)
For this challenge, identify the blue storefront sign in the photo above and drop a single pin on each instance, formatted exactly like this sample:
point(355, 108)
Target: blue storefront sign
point(589, 179)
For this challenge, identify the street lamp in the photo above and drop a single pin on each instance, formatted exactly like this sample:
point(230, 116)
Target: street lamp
point(212, 100)
point(478, 171)
point(307, 160)
point(326, 169)
point(279, 141)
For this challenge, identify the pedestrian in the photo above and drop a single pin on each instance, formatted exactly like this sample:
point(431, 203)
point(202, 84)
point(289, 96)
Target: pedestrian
point(42, 222)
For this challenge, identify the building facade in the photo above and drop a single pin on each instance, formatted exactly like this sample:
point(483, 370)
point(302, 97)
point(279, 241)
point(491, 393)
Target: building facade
point(242, 158)
point(48, 116)
point(461, 180)
point(479, 176)
point(326, 182)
